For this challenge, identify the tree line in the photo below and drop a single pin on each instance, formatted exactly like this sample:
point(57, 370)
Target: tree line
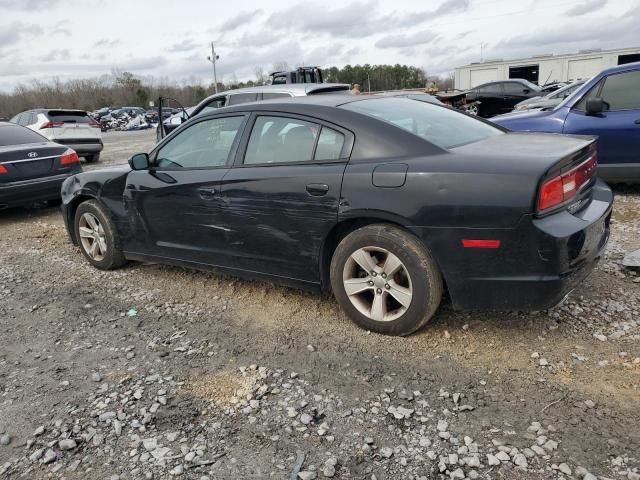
point(126, 89)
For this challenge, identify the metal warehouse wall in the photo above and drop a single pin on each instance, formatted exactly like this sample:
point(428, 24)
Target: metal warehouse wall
point(551, 68)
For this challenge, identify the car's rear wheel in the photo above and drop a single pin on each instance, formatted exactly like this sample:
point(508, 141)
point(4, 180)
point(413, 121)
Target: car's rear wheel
point(97, 236)
point(95, 158)
point(386, 280)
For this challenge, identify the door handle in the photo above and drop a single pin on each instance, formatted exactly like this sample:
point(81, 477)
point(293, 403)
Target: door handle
point(207, 192)
point(637, 122)
point(317, 189)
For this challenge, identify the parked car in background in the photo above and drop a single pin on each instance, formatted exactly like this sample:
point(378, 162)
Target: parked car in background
point(500, 97)
point(256, 94)
point(73, 128)
point(379, 199)
point(32, 168)
point(608, 106)
point(550, 100)
point(552, 87)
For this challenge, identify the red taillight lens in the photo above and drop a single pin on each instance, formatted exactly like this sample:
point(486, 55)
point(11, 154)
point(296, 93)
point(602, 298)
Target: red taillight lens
point(51, 125)
point(69, 157)
point(563, 187)
point(93, 123)
point(3, 169)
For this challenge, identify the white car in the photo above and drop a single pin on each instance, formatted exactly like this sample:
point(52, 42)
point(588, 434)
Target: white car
point(73, 128)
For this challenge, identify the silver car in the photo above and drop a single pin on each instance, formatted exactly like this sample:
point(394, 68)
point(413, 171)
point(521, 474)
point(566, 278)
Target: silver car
point(550, 100)
point(254, 94)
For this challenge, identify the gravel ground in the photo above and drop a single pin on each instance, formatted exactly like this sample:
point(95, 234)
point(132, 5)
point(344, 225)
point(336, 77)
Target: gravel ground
point(160, 372)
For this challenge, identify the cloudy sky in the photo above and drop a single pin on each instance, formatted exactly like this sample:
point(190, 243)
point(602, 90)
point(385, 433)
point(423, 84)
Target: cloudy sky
point(169, 40)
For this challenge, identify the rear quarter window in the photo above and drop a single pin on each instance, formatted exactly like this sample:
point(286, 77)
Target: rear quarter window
point(438, 125)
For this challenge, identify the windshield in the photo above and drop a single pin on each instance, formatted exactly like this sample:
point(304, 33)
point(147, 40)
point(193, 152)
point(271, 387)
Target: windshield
point(531, 86)
point(439, 125)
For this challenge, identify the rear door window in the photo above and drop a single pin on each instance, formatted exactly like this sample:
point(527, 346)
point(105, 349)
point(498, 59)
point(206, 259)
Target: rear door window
point(281, 140)
point(272, 95)
point(238, 98)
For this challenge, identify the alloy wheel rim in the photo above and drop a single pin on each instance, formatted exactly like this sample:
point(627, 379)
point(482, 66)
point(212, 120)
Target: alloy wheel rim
point(377, 283)
point(92, 236)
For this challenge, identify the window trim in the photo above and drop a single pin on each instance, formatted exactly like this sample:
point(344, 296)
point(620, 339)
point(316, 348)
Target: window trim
point(230, 157)
point(345, 153)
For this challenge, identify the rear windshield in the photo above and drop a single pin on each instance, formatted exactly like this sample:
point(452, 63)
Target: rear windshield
point(441, 126)
point(67, 117)
point(17, 135)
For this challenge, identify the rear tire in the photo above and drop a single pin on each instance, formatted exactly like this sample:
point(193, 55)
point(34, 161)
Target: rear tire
point(97, 236)
point(400, 290)
point(95, 158)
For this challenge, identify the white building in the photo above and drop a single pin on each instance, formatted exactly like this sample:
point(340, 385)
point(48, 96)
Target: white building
point(543, 69)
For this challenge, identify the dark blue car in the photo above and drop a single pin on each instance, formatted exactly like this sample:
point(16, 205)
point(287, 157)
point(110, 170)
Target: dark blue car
point(608, 106)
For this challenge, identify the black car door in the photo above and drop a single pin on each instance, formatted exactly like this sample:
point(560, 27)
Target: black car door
point(174, 207)
point(281, 198)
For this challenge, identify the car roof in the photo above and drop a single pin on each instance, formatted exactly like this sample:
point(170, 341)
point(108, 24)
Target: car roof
point(621, 68)
point(295, 89)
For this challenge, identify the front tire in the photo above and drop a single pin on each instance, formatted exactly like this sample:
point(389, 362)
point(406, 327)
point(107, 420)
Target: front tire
point(386, 280)
point(95, 158)
point(97, 236)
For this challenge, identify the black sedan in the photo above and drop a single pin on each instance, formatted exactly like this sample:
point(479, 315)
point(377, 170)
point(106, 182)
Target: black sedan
point(496, 98)
point(32, 168)
point(384, 201)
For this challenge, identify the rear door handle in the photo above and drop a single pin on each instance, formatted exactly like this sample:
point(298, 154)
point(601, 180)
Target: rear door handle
point(318, 189)
point(207, 192)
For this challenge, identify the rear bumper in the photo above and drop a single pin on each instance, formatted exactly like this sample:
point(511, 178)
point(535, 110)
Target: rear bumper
point(29, 191)
point(538, 263)
point(82, 146)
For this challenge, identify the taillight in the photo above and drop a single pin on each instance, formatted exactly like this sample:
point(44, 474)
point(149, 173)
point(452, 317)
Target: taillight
point(69, 157)
point(565, 186)
point(3, 169)
point(93, 123)
point(51, 125)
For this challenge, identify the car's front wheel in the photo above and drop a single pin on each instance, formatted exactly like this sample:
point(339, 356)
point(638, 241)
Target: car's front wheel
point(386, 280)
point(94, 158)
point(97, 236)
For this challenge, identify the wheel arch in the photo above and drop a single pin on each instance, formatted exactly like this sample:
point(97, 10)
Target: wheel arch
point(350, 224)
point(70, 212)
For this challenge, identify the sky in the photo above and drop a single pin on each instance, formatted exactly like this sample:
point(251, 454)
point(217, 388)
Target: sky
point(169, 40)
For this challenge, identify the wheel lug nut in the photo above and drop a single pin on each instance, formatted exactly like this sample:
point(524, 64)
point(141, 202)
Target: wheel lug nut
point(384, 275)
point(371, 282)
point(379, 290)
point(387, 286)
point(373, 274)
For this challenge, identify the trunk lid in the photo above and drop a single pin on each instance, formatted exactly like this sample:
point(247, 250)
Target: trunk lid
point(538, 154)
point(26, 162)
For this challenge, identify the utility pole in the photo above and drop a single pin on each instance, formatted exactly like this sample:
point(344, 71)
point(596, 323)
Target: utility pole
point(482, 45)
point(213, 58)
point(369, 83)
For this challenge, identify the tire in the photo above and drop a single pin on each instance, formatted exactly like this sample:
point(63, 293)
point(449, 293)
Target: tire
point(401, 302)
point(109, 254)
point(95, 158)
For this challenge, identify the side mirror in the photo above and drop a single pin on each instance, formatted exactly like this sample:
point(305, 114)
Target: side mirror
point(176, 121)
point(140, 161)
point(594, 106)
